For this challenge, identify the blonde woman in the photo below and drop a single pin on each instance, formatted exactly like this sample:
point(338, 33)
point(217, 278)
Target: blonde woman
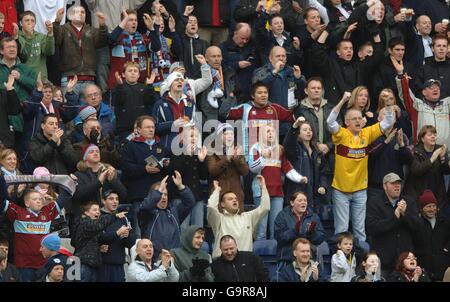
point(360, 101)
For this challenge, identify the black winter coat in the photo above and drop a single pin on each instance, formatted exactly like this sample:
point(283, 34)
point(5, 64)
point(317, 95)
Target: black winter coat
point(246, 267)
point(9, 105)
point(433, 69)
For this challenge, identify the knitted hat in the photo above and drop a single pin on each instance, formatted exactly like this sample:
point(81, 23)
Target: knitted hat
point(175, 65)
point(86, 112)
point(41, 171)
point(173, 76)
point(51, 263)
point(427, 197)
point(51, 242)
point(87, 149)
point(224, 127)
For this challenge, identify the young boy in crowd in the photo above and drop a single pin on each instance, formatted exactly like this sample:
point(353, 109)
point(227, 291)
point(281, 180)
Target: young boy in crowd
point(343, 263)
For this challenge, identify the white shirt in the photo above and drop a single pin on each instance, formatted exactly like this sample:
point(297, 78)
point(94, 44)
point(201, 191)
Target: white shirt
point(45, 10)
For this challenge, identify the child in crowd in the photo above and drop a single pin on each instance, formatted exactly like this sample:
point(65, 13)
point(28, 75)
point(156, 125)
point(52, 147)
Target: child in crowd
point(343, 263)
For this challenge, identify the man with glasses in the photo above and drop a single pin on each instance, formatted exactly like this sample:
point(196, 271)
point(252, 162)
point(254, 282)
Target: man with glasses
point(105, 115)
point(350, 180)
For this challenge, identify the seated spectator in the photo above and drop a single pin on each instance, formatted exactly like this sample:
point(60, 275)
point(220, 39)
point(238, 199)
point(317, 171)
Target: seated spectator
point(430, 163)
point(139, 173)
point(72, 53)
point(224, 217)
point(51, 148)
point(301, 150)
point(228, 164)
point(87, 229)
point(54, 271)
point(432, 241)
point(303, 268)
point(115, 239)
point(407, 269)
point(50, 246)
point(370, 269)
point(293, 222)
point(9, 273)
point(94, 134)
point(191, 261)
point(391, 222)
point(343, 263)
point(27, 241)
point(235, 265)
point(142, 268)
point(129, 45)
point(34, 46)
point(93, 178)
point(104, 113)
point(160, 219)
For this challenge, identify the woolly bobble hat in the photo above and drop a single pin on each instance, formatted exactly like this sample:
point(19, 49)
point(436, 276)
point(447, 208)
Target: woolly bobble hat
point(52, 242)
point(87, 149)
point(41, 171)
point(86, 112)
point(173, 76)
point(426, 198)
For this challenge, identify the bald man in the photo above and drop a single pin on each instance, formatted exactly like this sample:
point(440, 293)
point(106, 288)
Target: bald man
point(142, 269)
point(222, 87)
point(240, 54)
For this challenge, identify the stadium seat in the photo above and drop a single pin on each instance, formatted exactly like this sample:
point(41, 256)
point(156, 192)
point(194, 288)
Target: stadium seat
point(267, 251)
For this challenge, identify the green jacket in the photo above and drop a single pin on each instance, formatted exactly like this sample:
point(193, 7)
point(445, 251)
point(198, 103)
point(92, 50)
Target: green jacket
point(34, 51)
point(24, 86)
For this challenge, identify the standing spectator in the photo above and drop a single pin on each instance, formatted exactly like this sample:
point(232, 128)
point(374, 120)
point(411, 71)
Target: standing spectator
point(9, 105)
point(436, 67)
point(360, 101)
point(191, 261)
point(138, 174)
point(293, 222)
point(142, 268)
point(225, 218)
point(132, 99)
point(34, 46)
point(87, 39)
point(430, 163)
point(239, 53)
point(343, 263)
point(433, 239)
point(160, 221)
point(228, 164)
point(192, 45)
point(407, 270)
point(391, 222)
point(27, 241)
point(94, 177)
point(86, 239)
point(9, 166)
point(235, 265)
point(213, 18)
point(116, 237)
point(51, 148)
point(303, 268)
point(370, 269)
point(350, 170)
point(301, 150)
point(223, 85)
point(418, 40)
point(128, 46)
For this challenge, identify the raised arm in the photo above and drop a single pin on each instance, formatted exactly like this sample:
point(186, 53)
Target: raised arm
point(333, 125)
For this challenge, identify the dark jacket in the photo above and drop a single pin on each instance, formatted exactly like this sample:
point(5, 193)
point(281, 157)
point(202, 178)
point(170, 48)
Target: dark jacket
point(232, 54)
point(287, 274)
point(384, 159)
point(132, 101)
point(135, 177)
point(279, 84)
point(340, 76)
point(312, 166)
point(162, 226)
point(203, 11)
point(89, 188)
point(435, 9)
point(192, 47)
point(245, 267)
point(414, 50)
point(77, 60)
point(9, 105)
point(285, 233)
point(85, 238)
point(400, 277)
point(426, 175)
point(185, 256)
point(60, 159)
point(433, 69)
point(433, 246)
point(10, 274)
point(116, 245)
point(388, 235)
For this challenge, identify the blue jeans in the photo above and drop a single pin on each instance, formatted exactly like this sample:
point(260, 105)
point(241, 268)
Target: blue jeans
point(195, 217)
point(111, 273)
point(276, 205)
point(350, 206)
point(88, 274)
point(78, 88)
